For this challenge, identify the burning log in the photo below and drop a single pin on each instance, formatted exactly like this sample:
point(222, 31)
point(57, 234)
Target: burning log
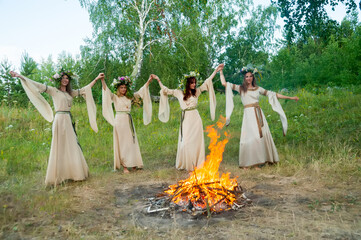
point(204, 191)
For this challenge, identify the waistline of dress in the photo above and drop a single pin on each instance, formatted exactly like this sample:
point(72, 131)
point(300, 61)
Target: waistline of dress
point(126, 112)
point(62, 112)
point(251, 105)
point(259, 118)
point(189, 109)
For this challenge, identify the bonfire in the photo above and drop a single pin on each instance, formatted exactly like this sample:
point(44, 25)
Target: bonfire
point(205, 191)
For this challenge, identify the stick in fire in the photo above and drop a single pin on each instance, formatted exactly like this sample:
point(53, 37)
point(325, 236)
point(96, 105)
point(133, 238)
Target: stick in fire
point(204, 190)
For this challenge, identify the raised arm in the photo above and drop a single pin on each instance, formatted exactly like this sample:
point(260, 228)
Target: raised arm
point(33, 90)
point(150, 79)
point(100, 76)
point(41, 87)
point(104, 84)
point(218, 68)
point(280, 96)
point(223, 79)
point(15, 74)
point(157, 78)
point(141, 92)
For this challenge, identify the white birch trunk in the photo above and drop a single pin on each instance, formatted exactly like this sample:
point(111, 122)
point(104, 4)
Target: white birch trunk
point(138, 59)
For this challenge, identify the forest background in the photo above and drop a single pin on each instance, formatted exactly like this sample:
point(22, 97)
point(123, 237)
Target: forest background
point(170, 38)
point(312, 193)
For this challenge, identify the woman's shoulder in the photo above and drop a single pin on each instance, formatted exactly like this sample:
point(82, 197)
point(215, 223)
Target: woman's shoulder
point(256, 88)
point(178, 93)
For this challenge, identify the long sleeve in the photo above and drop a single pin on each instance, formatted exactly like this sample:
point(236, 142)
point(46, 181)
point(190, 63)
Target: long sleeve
point(164, 109)
point(229, 102)
point(143, 93)
point(276, 106)
point(107, 109)
point(86, 93)
point(208, 86)
point(33, 90)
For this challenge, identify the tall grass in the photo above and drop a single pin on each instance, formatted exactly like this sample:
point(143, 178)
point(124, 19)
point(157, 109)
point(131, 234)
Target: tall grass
point(323, 132)
point(322, 142)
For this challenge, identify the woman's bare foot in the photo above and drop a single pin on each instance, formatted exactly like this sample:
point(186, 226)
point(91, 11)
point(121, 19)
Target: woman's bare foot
point(125, 170)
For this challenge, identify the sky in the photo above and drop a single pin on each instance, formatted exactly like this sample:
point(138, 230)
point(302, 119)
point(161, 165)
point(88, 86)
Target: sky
point(41, 28)
point(49, 27)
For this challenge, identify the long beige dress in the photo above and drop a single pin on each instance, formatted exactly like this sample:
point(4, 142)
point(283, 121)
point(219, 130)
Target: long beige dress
point(66, 160)
point(125, 141)
point(256, 143)
point(190, 151)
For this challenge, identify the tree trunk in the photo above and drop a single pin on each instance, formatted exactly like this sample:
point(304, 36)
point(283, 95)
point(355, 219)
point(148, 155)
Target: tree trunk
point(138, 59)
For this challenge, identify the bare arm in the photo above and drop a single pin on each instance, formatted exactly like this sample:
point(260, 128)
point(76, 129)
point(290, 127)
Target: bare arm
point(140, 92)
point(157, 78)
point(100, 76)
point(41, 87)
point(287, 97)
point(104, 85)
point(223, 79)
point(218, 68)
point(15, 74)
point(149, 80)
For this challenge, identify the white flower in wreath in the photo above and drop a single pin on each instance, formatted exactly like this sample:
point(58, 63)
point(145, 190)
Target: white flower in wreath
point(56, 76)
point(115, 81)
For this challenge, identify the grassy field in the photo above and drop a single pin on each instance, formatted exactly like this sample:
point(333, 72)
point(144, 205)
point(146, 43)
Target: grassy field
point(312, 193)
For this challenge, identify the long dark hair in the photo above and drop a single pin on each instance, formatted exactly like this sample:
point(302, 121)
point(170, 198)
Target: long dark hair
point(68, 87)
point(244, 87)
point(188, 91)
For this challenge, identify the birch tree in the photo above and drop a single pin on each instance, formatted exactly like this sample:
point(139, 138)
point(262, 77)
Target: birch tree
point(123, 30)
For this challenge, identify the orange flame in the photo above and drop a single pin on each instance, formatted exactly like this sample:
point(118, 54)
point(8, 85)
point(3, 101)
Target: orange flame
point(204, 188)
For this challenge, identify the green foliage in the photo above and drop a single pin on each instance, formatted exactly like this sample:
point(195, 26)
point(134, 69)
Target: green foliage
point(251, 45)
point(189, 53)
point(10, 88)
point(28, 66)
point(333, 63)
point(195, 35)
point(308, 18)
point(168, 24)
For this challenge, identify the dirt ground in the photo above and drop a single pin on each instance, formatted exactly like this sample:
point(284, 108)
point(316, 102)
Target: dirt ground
point(113, 208)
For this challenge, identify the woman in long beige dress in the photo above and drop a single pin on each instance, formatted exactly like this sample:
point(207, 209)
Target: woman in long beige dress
point(256, 143)
point(190, 150)
point(66, 160)
point(125, 141)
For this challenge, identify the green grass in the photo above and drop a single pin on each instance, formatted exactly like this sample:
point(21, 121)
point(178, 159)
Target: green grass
point(322, 128)
point(322, 141)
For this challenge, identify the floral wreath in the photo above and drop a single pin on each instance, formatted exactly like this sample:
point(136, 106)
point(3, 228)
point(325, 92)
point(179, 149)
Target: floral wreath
point(56, 78)
point(252, 70)
point(183, 81)
point(124, 80)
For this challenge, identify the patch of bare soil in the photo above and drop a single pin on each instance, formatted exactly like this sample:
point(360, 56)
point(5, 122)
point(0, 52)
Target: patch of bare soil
point(282, 207)
point(163, 220)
